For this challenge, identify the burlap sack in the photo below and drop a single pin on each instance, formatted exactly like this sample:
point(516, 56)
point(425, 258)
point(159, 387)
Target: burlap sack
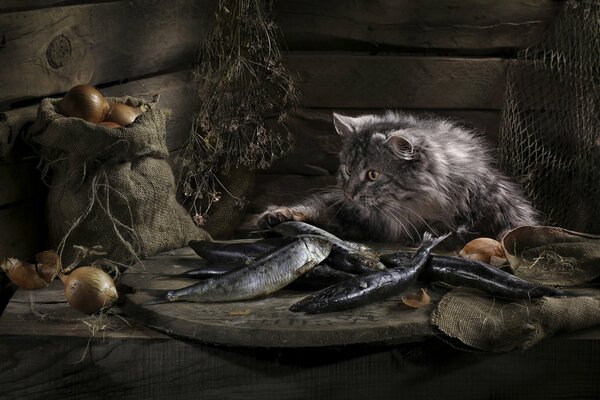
point(111, 187)
point(497, 325)
point(553, 256)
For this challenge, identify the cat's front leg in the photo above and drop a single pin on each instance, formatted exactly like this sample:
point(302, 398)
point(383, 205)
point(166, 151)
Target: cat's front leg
point(277, 214)
point(312, 210)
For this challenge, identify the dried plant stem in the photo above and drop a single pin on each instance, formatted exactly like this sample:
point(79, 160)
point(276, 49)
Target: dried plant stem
point(240, 82)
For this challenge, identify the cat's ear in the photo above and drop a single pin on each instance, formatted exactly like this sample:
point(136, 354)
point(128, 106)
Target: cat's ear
point(401, 146)
point(343, 124)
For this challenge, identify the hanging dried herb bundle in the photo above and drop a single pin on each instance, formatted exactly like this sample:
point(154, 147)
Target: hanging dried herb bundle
point(245, 94)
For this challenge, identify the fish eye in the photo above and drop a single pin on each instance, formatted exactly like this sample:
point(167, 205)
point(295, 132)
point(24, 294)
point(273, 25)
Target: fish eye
point(373, 175)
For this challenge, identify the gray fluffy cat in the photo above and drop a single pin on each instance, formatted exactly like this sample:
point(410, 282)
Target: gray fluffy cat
point(401, 175)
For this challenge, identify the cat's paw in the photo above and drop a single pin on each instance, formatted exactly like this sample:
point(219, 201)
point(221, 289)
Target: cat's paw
point(276, 215)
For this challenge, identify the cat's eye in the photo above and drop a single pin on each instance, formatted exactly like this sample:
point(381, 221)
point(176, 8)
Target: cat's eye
point(348, 170)
point(373, 175)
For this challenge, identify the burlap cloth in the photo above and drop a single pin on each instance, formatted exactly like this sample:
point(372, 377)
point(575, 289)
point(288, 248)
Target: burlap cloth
point(111, 187)
point(493, 324)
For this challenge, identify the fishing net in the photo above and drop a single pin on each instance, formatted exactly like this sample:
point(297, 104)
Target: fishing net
point(550, 133)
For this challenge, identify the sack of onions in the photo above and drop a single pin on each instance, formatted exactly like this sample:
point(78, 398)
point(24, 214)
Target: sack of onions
point(111, 185)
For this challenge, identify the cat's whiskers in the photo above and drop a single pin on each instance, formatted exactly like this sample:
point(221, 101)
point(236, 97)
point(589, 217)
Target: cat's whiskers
point(399, 207)
point(398, 220)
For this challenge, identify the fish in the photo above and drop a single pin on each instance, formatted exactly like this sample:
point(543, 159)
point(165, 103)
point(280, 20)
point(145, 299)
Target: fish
point(346, 256)
point(371, 287)
point(458, 271)
point(267, 274)
point(218, 252)
point(319, 277)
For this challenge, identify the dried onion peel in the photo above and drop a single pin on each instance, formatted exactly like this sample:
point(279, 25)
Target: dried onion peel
point(32, 276)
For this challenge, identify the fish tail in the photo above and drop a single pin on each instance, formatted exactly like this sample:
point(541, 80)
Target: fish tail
point(157, 296)
point(430, 240)
point(165, 275)
point(577, 292)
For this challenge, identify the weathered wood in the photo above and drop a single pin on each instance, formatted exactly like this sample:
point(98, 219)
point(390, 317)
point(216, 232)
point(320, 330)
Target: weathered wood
point(351, 81)
point(265, 322)
point(22, 229)
point(18, 181)
point(53, 355)
point(468, 26)
point(53, 49)
point(285, 189)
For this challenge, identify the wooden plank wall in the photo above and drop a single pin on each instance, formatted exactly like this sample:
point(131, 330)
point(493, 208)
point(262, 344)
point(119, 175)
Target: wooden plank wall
point(448, 57)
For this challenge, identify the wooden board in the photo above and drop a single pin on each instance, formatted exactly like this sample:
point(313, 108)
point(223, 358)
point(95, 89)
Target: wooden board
point(355, 81)
point(265, 322)
point(53, 49)
point(474, 25)
point(466, 26)
point(22, 229)
point(19, 181)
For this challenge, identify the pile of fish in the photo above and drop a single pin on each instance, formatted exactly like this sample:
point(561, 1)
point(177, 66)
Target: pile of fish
point(344, 274)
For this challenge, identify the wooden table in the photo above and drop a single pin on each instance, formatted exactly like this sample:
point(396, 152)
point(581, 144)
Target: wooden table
point(258, 349)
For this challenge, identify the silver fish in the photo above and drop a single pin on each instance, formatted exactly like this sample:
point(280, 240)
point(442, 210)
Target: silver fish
point(265, 275)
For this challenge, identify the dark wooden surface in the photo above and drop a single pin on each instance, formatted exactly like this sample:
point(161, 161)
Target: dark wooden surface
point(265, 322)
point(49, 352)
point(471, 26)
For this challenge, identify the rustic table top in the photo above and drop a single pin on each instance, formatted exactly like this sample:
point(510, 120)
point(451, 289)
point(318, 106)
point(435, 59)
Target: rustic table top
point(265, 322)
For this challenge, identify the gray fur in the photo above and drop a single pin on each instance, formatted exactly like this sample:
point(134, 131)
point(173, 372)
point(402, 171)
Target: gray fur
point(433, 175)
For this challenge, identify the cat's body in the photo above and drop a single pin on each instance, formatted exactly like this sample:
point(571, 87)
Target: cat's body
point(401, 176)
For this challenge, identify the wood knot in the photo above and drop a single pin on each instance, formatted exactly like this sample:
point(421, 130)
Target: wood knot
point(59, 51)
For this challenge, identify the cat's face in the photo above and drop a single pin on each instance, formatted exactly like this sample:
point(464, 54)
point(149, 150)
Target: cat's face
point(376, 162)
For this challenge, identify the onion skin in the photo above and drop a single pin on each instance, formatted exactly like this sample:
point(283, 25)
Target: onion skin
point(23, 274)
point(84, 101)
point(89, 289)
point(32, 276)
point(483, 249)
point(122, 114)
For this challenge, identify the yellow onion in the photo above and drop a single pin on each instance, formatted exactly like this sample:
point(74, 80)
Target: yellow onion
point(84, 101)
point(32, 276)
point(89, 289)
point(122, 114)
point(485, 250)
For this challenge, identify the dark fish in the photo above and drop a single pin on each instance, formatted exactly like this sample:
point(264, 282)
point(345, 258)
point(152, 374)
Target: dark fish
point(220, 252)
point(319, 277)
point(265, 275)
point(210, 270)
point(346, 256)
point(458, 271)
point(370, 287)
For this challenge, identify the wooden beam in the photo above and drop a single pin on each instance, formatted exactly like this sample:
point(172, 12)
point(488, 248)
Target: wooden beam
point(48, 51)
point(467, 26)
point(355, 81)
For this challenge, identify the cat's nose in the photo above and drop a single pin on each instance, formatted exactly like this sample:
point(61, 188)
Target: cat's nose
point(349, 194)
